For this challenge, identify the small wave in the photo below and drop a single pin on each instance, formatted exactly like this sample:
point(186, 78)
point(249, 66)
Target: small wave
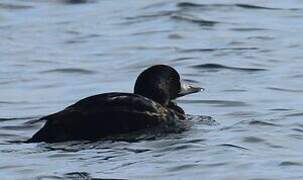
point(234, 146)
point(70, 71)
point(77, 1)
point(13, 119)
point(298, 130)
point(17, 127)
point(242, 114)
point(219, 66)
point(196, 5)
point(190, 80)
point(193, 19)
point(252, 139)
point(294, 114)
point(149, 32)
point(195, 141)
point(262, 123)
point(77, 175)
point(189, 4)
point(219, 103)
point(239, 126)
point(285, 90)
point(181, 59)
point(158, 14)
point(249, 6)
point(81, 39)
point(137, 151)
point(14, 6)
point(264, 38)
point(290, 163)
point(280, 109)
point(217, 49)
point(181, 167)
point(248, 29)
point(12, 102)
point(235, 90)
point(237, 5)
point(74, 175)
point(74, 41)
point(146, 17)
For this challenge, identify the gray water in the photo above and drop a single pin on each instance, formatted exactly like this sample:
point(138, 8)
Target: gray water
point(246, 54)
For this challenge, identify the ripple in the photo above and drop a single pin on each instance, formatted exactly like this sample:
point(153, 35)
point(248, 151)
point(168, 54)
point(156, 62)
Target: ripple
point(12, 102)
point(17, 127)
point(298, 130)
point(190, 4)
point(182, 167)
point(67, 147)
point(234, 146)
point(195, 20)
point(242, 114)
point(149, 32)
point(262, 123)
point(77, 175)
point(285, 90)
point(75, 41)
point(77, 1)
point(146, 17)
point(248, 29)
point(294, 114)
point(235, 90)
point(81, 39)
point(241, 125)
point(252, 139)
point(280, 109)
point(73, 176)
point(13, 119)
point(263, 38)
point(249, 6)
point(290, 163)
point(195, 140)
point(217, 164)
point(70, 71)
point(47, 177)
point(182, 59)
point(204, 6)
point(218, 49)
point(158, 14)
point(14, 6)
point(219, 66)
point(137, 150)
point(219, 103)
point(239, 5)
point(6, 167)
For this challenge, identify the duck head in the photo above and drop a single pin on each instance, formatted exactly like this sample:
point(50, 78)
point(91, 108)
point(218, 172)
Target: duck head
point(162, 84)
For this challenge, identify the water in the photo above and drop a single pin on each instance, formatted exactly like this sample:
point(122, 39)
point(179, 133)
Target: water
point(247, 55)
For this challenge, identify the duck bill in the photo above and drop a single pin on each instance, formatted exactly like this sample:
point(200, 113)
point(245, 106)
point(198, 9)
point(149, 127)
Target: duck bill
point(188, 89)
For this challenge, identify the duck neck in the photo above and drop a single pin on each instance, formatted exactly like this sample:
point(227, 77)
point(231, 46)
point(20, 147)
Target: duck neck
point(175, 107)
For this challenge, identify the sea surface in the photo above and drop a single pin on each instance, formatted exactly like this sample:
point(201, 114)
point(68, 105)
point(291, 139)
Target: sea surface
point(248, 55)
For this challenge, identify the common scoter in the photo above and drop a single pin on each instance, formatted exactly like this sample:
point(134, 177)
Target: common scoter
point(108, 114)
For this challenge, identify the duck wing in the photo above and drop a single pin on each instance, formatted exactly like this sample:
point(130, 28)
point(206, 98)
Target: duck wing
point(102, 115)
